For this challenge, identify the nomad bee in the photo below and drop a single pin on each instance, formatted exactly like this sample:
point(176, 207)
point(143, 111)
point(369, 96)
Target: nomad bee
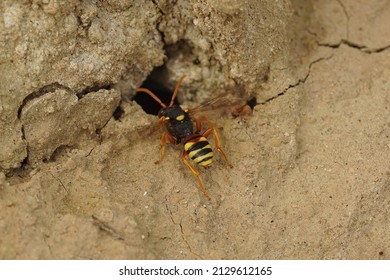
point(184, 126)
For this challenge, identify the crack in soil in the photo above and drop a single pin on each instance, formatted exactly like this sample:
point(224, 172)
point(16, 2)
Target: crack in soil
point(297, 83)
point(56, 86)
point(185, 241)
point(162, 14)
point(40, 92)
point(44, 237)
point(49, 89)
point(156, 4)
point(354, 45)
point(346, 41)
point(181, 230)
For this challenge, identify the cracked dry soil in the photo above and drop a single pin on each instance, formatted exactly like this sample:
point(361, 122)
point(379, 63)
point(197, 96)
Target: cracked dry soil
point(311, 176)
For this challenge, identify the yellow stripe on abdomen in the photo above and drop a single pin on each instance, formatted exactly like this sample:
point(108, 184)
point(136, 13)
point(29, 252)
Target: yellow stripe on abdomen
point(199, 150)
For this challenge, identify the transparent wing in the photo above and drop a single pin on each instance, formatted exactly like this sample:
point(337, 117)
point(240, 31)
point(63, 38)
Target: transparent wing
point(216, 108)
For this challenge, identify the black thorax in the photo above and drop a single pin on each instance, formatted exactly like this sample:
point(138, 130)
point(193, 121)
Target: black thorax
point(179, 124)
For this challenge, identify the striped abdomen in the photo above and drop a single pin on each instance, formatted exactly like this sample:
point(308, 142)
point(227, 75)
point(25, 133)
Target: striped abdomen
point(199, 150)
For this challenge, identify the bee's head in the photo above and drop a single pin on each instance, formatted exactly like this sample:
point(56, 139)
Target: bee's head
point(174, 112)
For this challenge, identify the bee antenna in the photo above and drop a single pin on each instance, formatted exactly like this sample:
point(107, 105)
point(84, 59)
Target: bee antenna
point(176, 90)
point(151, 94)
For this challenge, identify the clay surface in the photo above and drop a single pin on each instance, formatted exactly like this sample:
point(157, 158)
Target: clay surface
point(311, 176)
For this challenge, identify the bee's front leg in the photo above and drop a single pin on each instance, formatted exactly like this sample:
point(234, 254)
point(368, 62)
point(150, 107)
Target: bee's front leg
point(164, 138)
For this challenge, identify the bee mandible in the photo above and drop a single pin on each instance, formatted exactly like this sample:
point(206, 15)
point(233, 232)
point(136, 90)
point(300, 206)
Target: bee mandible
point(185, 126)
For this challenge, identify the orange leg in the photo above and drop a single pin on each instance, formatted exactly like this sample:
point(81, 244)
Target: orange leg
point(164, 138)
point(198, 126)
point(217, 144)
point(195, 172)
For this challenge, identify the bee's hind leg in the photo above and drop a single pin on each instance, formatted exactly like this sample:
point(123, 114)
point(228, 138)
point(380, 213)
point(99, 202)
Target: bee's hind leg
point(184, 157)
point(217, 144)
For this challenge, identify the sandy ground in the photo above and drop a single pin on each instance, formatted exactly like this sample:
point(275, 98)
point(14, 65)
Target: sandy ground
point(311, 176)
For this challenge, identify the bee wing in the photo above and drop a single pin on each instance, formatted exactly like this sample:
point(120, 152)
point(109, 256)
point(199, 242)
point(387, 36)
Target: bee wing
point(215, 108)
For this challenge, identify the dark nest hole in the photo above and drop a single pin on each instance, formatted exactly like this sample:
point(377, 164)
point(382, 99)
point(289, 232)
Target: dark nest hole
point(156, 82)
point(251, 102)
